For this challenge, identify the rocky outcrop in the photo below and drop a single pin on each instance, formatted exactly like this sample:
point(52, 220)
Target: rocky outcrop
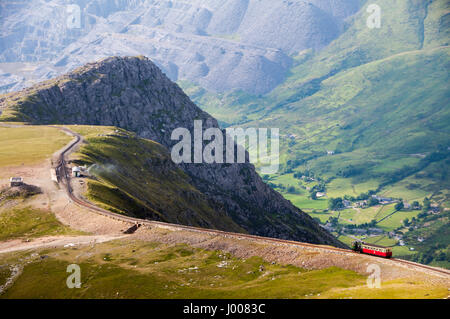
point(132, 93)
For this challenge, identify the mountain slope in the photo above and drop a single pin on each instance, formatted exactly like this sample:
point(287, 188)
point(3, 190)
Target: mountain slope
point(368, 113)
point(132, 93)
point(373, 95)
point(221, 45)
point(146, 186)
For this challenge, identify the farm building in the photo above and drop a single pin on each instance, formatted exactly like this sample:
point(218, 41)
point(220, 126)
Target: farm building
point(16, 181)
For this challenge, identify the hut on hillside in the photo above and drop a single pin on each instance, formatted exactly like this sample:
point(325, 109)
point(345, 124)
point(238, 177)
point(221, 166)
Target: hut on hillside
point(76, 171)
point(16, 181)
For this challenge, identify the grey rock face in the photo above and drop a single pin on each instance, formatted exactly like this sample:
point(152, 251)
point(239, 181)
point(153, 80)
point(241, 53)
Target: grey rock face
point(134, 94)
point(222, 45)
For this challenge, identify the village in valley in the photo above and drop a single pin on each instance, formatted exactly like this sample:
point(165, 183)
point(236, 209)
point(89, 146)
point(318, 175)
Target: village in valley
point(370, 230)
point(404, 225)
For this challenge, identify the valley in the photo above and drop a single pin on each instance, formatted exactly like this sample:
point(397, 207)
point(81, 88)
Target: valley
point(366, 116)
point(203, 264)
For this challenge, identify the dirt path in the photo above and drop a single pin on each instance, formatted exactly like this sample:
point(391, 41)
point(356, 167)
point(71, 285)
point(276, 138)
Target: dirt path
point(53, 242)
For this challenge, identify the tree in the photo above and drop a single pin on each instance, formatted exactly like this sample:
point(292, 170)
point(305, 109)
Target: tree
point(313, 195)
point(363, 196)
point(373, 201)
point(292, 190)
point(399, 206)
point(426, 204)
point(333, 221)
point(335, 203)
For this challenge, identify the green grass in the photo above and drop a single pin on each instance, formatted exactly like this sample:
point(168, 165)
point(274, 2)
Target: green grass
point(322, 216)
point(92, 131)
point(344, 186)
point(5, 273)
point(306, 203)
point(396, 289)
point(381, 240)
point(29, 144)
point(358, 216)
point(346, 240)
point(402, 251)
point(133, 269)
point(397, 219)
point(30, 223)
point(147, 185)
point(141, 270)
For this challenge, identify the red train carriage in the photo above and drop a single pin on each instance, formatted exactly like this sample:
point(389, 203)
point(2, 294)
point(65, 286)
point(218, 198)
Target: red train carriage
point(372, 249)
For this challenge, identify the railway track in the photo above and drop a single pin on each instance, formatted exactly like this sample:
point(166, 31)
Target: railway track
point(65, 178)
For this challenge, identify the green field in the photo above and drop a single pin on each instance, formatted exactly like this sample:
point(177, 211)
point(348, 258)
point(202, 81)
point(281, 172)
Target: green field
point(394, 221)
point(29, 144)
point(346, 240)
point(306, 203)
point(322, 216)
point(345, 186)
point(92, 131)
point(381, 240)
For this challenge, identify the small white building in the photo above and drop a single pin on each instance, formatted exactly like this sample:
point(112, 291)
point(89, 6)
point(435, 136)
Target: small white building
point(76, 171)
point(16, 181)
point(320, 194)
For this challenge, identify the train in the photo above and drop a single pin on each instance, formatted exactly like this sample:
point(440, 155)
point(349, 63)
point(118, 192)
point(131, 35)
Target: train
point(372, 249)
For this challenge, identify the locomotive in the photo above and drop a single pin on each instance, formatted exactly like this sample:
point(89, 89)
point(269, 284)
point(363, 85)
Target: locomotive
point(372, 249)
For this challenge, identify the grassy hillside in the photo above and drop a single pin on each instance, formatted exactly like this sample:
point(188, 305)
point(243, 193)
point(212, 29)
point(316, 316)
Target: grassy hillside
point(133, 269)
point(377, 98)
point(27, 222)
point(430, 237)
point(136, 177)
